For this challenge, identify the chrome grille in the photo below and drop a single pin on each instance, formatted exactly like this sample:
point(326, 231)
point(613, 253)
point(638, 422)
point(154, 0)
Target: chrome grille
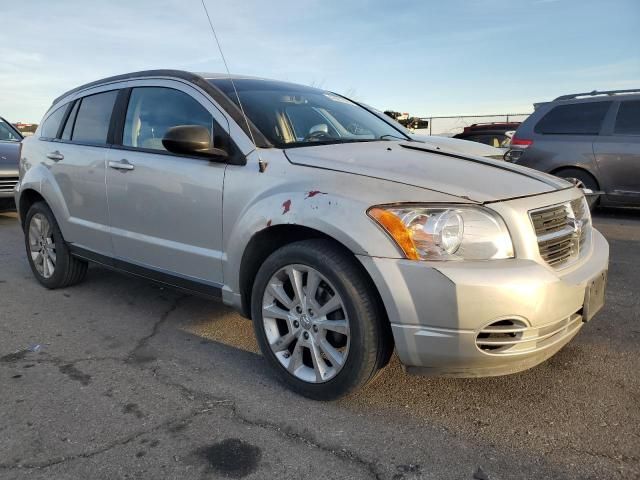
point(563, 231)
point(581, 211)
point(7, 184)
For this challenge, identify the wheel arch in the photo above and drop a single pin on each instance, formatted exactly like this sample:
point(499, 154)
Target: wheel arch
point(266, 241)
point(27, 198)
point(586, 171)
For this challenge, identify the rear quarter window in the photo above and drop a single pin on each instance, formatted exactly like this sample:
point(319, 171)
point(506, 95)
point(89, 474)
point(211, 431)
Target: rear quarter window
point(574, 119)
point(628, 118)
point(93, 118)
point(52, 123)
point(66, 133)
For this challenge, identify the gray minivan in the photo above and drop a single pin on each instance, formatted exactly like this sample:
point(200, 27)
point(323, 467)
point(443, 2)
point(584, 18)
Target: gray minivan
point(590, 138)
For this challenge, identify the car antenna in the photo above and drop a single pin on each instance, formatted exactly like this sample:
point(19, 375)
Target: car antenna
point(261, 163)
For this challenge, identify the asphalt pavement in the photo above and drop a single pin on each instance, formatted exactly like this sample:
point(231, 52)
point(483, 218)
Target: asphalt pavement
point(121, 378)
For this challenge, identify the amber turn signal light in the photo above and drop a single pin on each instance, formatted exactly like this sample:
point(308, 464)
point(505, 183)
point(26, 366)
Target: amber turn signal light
point(396, 230)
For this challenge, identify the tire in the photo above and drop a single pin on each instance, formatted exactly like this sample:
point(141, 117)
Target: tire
point(363, 349)
point(67, 270)
point(582, 176)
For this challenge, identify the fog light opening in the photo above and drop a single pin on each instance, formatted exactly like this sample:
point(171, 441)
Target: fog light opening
point(500, 335)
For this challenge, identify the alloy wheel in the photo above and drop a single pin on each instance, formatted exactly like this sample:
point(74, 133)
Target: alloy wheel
point(41, 245)
point(306, 323)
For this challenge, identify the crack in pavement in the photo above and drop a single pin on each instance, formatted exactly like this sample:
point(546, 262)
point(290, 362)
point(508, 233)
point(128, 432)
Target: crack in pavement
point(283, 430)
point(134, 355)
point(619, 459)
point(91, 453)
point(208, 403)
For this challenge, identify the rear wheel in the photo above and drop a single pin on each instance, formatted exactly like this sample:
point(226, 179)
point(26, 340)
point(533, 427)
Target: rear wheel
point(48, 254)
point(317, 320)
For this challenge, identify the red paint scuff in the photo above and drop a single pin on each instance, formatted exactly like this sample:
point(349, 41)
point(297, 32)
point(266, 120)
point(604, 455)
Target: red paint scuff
point(286, 206)
point(313, 193)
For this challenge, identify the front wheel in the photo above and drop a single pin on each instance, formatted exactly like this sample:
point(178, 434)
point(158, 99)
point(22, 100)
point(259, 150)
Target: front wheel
point(317, 320)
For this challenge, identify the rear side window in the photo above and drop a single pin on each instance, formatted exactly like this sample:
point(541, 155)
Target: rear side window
point(94, 115)
point(7, 133)
point(576, 119)
point(66, 133)
point(52, 123)
point(154, 110)
point(628, 119)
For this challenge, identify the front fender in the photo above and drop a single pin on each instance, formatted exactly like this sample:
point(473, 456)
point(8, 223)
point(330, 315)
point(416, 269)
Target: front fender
point(333, 203)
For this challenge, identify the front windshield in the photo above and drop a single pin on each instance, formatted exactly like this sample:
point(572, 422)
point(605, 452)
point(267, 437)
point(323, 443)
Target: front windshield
point(291, 115)
point(8, 133)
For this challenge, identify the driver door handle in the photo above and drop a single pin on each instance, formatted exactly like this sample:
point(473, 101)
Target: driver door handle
point(56, 156)
point(121, 165)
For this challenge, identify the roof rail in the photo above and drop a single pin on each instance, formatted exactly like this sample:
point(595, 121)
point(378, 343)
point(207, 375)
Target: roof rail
point(596, 92)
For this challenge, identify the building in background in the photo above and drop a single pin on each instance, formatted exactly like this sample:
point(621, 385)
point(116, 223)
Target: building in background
point(26, 129)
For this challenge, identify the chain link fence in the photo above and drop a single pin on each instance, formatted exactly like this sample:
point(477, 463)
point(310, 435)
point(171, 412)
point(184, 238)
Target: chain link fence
point(450, 126)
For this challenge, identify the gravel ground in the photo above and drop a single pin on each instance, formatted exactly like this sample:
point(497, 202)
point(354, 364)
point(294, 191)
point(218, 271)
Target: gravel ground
point(121, 378)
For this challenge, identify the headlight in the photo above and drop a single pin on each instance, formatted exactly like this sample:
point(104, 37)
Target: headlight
point(445, 232)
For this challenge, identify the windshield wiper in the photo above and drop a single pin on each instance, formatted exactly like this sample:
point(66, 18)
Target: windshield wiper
point(391, 135)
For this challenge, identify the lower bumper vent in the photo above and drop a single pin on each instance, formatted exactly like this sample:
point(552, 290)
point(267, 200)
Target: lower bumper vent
point(512, 336)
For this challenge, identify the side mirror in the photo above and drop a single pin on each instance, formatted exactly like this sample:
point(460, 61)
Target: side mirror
point(192, 140)
point(512, 155)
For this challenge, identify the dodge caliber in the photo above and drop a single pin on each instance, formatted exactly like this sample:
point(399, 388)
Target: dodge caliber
point(340, 237)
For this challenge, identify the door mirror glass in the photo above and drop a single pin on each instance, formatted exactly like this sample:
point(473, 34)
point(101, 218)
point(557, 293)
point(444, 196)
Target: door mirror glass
point(192, 140)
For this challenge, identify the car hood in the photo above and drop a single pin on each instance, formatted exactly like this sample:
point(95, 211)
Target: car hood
point(412, 163)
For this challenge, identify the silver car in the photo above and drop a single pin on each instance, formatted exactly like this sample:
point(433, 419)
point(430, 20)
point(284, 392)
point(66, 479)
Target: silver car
point(340, 237)
point(10, 146)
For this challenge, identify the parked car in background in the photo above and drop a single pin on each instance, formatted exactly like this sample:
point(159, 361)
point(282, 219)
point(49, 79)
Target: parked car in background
point(449, 144)
point(10, 146)
point(592, 139)
point(456, 145)
point(496, 134)
point(336, 233)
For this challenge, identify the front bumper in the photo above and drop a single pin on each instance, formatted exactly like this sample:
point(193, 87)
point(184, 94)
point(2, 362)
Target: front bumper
point(8, 181)
point(437, 311)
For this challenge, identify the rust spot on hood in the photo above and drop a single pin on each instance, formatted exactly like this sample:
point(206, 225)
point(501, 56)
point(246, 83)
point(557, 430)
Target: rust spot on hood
point(313, 193)
point(286, 206)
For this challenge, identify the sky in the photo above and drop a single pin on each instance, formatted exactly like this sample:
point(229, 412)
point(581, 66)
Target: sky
point(428, 58)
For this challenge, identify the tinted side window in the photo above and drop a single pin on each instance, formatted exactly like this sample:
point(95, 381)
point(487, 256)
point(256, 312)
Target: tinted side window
point(628, 119)
point(7, 133)
point(66, 133)
point(154, 110)
point(94, 115)
point(52, 123)
point(576, 119)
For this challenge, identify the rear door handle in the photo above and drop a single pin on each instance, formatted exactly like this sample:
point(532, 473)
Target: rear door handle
point(55, 156)
point(121, 165)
